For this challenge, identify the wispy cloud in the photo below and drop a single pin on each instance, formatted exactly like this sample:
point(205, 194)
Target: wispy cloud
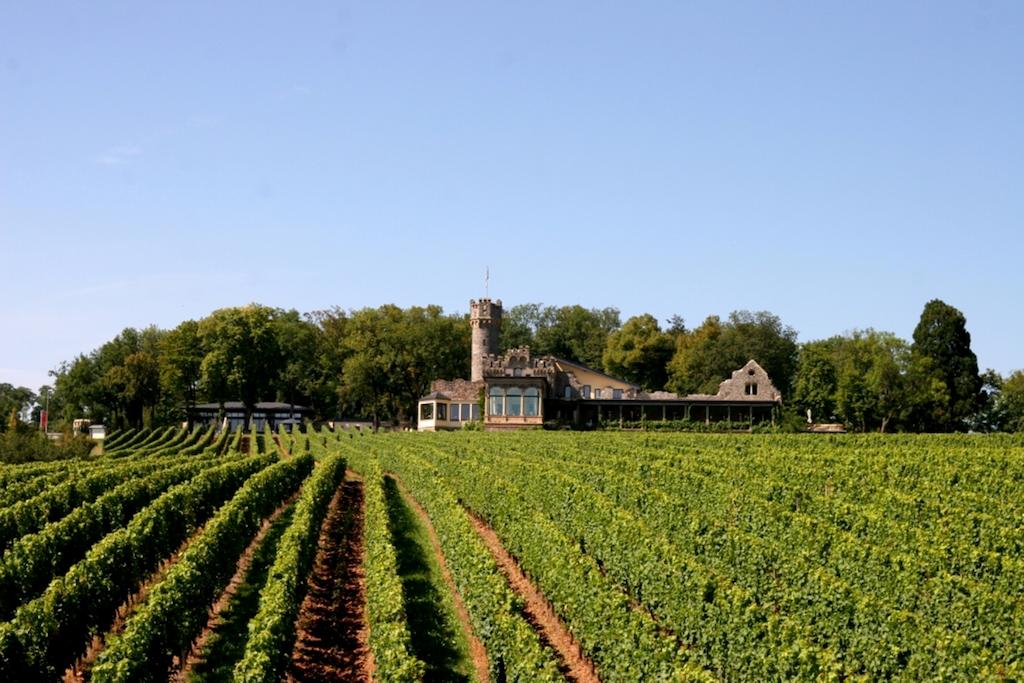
point(119, 156)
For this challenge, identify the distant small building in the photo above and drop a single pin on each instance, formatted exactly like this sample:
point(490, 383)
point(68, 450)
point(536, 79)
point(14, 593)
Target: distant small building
point(518, 390)
point(270, 413)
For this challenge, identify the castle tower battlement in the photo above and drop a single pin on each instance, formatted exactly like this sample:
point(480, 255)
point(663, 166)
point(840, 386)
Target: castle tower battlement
point(485, 321)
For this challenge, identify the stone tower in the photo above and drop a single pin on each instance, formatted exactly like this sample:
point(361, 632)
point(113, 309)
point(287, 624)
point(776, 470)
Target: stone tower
point(485, 319)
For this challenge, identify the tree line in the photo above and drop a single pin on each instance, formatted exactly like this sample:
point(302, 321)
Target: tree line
point(376, 362)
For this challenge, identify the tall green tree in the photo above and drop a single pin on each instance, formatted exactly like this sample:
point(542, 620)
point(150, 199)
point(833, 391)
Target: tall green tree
point(575, 333)
point(817, 381)
point(861, 379)
point(710, 353)
point(334, 326)
point(1011, 402)
point(180, 362)
point(519, 324)
point(392, 355)
point(639, 352)
point(14, 400)
point(133, 386)
point(942, 338)
point(243, 356)
point(871, 389)
point(300, 379)
point(77, 383)
point(992, 415)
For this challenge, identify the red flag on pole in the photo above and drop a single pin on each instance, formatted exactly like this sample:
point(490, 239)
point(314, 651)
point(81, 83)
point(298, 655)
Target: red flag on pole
point(42, 420)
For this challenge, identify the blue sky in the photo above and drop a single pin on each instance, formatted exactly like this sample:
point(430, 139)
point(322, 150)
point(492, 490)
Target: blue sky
point(836, 163)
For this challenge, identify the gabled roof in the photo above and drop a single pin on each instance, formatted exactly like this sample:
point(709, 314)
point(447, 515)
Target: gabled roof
point(580, 366)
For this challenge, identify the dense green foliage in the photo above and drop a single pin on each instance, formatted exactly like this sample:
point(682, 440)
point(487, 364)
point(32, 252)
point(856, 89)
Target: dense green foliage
point(13, 400)
point(365, 362)
point(20, 443)
point(639, 352)
point(942, 351)
point(1010, 401)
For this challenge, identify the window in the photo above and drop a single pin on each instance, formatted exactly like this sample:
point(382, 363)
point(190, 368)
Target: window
point(517, 372)
point(427, 411)
point(585, 392)
point(497, 402)
point(750, 389)
point(475, 407)
point(466, 412)
point(616, 394)
point(514, 401)
point(442, 411)
point(597, 393)
point(568, 392)
point(531, 402)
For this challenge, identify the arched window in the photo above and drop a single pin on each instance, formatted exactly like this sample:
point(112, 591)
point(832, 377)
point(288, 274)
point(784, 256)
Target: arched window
point(497, 403)
point(531, 402)
point(514, 401)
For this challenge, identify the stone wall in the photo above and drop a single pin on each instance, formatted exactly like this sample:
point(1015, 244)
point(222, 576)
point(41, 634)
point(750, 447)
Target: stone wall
point(460, 390)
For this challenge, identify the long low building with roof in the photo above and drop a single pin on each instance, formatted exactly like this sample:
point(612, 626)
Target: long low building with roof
point(232, 415)
point(516, 390)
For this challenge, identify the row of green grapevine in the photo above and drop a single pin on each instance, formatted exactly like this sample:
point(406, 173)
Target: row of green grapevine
point(175, 610)
point(49, 632)
point(34, 560)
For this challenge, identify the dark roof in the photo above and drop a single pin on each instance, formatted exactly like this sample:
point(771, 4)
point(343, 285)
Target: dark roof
point(261, 406)
point(435, 396)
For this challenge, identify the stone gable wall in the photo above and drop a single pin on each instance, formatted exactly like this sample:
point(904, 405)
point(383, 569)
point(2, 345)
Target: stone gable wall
point(735, 388)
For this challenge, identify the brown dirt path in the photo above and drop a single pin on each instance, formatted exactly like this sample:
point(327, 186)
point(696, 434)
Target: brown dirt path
point(574, 664)
point(241, 570)
point(477, 651)
point(332, 642)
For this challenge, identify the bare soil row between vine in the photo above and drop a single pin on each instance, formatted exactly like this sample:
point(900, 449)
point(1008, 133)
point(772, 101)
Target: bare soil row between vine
point(332, 631)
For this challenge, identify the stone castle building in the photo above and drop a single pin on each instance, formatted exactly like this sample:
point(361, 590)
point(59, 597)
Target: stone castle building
point(516, 389)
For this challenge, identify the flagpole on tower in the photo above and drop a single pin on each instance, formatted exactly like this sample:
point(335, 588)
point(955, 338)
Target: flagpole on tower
point(487, 282)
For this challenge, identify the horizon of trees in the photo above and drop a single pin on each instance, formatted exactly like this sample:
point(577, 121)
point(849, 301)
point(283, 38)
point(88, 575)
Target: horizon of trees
point(375, 363)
